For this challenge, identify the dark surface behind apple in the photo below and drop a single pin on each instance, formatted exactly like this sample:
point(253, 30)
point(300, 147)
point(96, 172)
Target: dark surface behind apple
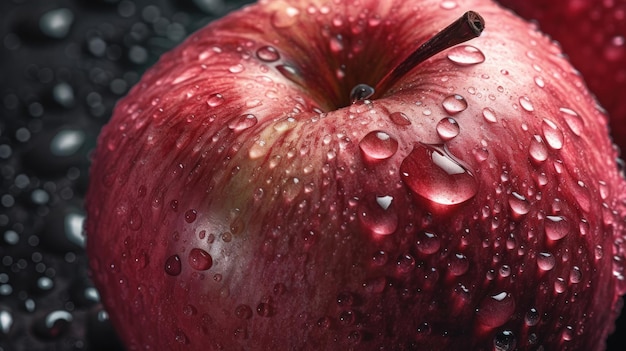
point(63, 65)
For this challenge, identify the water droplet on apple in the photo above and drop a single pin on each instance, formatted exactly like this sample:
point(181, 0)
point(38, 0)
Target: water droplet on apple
point(448, 128)
point(524, 101)
point(532, 317)
point(540, 82)
point(336, 44)
point(324, 323)
point(200, 260)
point(243, 312)
point(519, 204)
point(215, 100)
point(405, 263)
point(181, 337)
point(285, 17)
point(545, 261)
point(458, 265)
point(494, 311)
point(568, 333)
point(489, 115)
point(264, 309)
point(258, 150)
point(399, 118)
point(505, 271)
point(268, 54)
point(361, 92)
point(448, 4)
point(345, 298)
point(375, 285)
point(379, 216)
point(465, 55)
point(454, 104)
point(537, 149)
point(573, 120)
point(504, 341)
point(598, 252)
point(190, 216)
point(190, 310)
point(378, 145)
point(347, 317)
point(380, 258)
point(238, 68)
point(575, 275)
point(553, 135)
point(291, 73)
point(433, 173)
point(135, 220)
point(427, 243)
point(173, 265)
point(556, 227)
point(242, 122)
point(354, 337)
point(560, 285)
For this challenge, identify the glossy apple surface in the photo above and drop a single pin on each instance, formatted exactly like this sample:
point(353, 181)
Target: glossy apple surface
point(238, 200)
point(592, 34)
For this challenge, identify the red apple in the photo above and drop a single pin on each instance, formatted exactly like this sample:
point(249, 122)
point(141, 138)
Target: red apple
point(241, 200)
point(592, 34)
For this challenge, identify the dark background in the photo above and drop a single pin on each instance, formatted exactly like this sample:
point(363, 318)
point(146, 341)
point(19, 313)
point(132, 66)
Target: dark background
point(63, 65)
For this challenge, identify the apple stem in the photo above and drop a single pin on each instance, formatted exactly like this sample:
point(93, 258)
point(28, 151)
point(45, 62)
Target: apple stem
point(467, 27)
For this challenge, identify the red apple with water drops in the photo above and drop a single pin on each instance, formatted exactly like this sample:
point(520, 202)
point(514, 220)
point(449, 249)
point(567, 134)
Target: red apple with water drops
point(593, 35)
point(330, 175)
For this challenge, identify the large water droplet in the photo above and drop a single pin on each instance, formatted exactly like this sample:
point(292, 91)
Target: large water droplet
point(448, 128)
point(489, 115)
point(268, 54)
point(519, 204)
point(361, 92)
point(504, 341)
point(448, 4)
point(576, 275)
point(427, 243)
point(465, 55)
point(400, 118)
point(215, 100)
point(200, 260)
point(379, 216)
point(433, 173)
point(556, 227)
point(285, 17)
point(495, 310)
point(532, 317)
point(458, 265)
point(378, 145)
point(524, 101)
point(454, 104)
point(242, 122)
point(545, 261)
point(552, 134)
point(537, 149)
point(190, 216)
point(173, 265)
point(573, 120)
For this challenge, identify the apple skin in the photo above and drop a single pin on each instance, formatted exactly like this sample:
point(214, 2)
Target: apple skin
point(235, 205)
point(593, 34)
